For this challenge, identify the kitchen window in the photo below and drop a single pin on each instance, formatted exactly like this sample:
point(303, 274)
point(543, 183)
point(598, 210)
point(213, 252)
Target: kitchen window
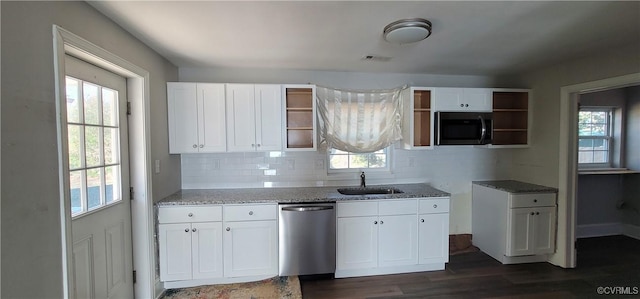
point(342, 160)
point(595, 138)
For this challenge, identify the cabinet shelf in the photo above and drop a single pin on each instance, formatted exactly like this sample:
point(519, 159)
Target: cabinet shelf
point(510, 130)
point(510, 117)
point(299, 128)
point(422, 109)
point(510, 110)
point(299, 109)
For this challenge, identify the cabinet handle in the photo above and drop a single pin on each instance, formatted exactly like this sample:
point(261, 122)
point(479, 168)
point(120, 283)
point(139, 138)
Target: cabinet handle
point(186, 230)
point(435, 206)
point(193, 230)
point(250, 212)
point(461, 105)
point(537, 213)
point(532, 213)
point(375, 222)
point(535, 200)
point(228, 228)
point(195, 146)
point(421, 220)
point(381, 222)
point(190, 215)
point(466, 105)
point(202, 145)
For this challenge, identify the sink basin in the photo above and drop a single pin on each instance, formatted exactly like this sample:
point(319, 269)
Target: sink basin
point(368, 190)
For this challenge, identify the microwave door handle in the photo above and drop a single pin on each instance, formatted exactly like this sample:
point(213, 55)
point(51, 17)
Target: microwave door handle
point(484, 129)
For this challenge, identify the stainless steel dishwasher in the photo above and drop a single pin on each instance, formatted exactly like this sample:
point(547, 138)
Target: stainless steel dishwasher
point(307, 239)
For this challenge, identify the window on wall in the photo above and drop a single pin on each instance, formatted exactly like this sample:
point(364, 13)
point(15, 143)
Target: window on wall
point(341, 160)
point(595, 137)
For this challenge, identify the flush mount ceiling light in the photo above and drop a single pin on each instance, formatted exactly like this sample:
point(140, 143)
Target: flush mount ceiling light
point(407, 31)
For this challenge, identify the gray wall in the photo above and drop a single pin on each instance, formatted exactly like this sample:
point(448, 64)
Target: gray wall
point(31, 238)
point(631, 196)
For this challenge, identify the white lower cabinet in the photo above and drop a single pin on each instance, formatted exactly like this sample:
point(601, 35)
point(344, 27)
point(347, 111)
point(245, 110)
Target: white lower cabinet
point(217, 244)
point(433, 231)
point(384, 237)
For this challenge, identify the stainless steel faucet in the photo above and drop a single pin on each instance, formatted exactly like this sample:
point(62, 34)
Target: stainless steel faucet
point(363, 184)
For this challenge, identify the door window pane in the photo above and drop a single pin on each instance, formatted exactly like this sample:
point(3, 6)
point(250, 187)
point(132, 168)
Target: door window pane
point(94, 188)
point(73, 100)
point(92, 145)
point(75, 143)
point(109, 107)
point(91, 104)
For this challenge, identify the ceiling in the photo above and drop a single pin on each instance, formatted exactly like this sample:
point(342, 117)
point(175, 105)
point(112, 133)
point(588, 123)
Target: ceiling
point(470, 38)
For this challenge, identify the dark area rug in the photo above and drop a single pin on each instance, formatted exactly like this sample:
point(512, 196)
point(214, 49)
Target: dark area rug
point(286, 287)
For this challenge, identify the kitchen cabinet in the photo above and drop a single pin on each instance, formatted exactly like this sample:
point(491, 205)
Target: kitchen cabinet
point(417, 123)
point(190, 243)
point(196, 117)
point(514, 227)
point(250, 240)
point(383, 237)
point(433, 230)
point(462, 99)
point(300, 117)
point(511, 117)
point(254, 117)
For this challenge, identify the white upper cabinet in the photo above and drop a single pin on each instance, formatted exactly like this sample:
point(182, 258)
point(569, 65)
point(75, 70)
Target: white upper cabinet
point(254, 117)
point(417, 123)
point(196, 116)
point(462, 99)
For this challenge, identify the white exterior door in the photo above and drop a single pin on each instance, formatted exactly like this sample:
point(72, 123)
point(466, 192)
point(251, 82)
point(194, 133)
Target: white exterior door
point(206, 249)
point(397, 236)
point(519, 232)
point(357, 243)
point(433, 238)
point(174, 241)
point(241, 118)
point(268, 99)
point(98, 169)
point(250, 248)
point(183, 117)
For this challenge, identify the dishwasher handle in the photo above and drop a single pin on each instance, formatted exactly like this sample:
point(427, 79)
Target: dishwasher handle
point(307, 208)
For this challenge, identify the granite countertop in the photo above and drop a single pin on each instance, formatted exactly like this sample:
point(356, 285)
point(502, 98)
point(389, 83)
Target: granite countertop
point(516, 186)
point(290, 195)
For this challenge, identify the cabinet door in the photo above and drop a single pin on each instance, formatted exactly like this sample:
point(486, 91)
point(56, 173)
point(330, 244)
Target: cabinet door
point(268, 102)
point(397, 239)
point(241, 120)
point(206, 249)
point(250, 248)
point(520, 232)
point(478, 99)
point(211, 118)
point(182, 111)
point(447, 99)
point(433, 238)
point(357, 243)
point(174, 242)
point(544, 230)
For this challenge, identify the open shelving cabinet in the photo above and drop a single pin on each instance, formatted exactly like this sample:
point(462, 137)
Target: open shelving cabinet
point(510, 118)
point(421, 118)
point(300, 121)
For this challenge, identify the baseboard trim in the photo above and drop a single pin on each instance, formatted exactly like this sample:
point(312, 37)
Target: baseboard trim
point(607, 229)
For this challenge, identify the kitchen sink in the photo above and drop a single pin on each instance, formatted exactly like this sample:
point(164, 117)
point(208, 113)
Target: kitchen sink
point(369, 190)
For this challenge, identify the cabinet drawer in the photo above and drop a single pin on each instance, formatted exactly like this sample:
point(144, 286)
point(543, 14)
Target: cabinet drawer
point(434, 205)
point(397, 207)
point(250, 212)
point(189, 214)
point(359, 208)
point(532, 200)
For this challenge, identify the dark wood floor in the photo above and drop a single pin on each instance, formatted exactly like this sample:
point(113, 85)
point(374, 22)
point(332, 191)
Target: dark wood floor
point(602, 262)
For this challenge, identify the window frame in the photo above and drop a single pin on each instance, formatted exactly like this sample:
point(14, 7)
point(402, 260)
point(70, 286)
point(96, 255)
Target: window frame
point(609, 137)
point(387, 169)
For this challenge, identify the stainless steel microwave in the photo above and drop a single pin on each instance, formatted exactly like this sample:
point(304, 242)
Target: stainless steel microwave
point(463, 128)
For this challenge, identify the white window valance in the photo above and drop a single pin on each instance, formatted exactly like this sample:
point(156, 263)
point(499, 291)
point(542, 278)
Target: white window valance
point(359, 121)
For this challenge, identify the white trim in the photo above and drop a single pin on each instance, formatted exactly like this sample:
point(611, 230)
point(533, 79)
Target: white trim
point(65, 42)
point(565, 255)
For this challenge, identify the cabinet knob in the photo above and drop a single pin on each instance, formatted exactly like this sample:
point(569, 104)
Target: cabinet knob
point(461, 105)
point(535, 200)
point(381, 222)
point(193, 230)
point(190, 215)
point(228, 228)
point(532, 213)
point(375, 222)
point(537, 213)
point(250, 212)
point(466, 105)
point(421, 220)
point(186, 230)
point(435, 206)
point(195, 146)
point(258, 145)
point(253, 145)
point(202, 145)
